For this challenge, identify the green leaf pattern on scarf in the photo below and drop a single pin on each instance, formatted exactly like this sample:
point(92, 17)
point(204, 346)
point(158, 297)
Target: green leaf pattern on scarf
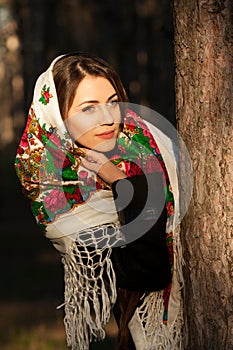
point(47, 166)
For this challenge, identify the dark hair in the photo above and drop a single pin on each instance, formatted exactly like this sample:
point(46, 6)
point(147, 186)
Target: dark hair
point(69, 70)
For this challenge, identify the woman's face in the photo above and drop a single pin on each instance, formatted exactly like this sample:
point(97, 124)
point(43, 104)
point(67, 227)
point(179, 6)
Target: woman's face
point(94, 118)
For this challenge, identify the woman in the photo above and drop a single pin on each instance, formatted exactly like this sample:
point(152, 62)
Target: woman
point(89, 164)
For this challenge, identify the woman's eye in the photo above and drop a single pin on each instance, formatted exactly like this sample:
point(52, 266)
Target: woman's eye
point(88, 109)
point(113, 103)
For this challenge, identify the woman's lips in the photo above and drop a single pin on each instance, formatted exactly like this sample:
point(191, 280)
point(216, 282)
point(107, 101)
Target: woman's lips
point(106, 135)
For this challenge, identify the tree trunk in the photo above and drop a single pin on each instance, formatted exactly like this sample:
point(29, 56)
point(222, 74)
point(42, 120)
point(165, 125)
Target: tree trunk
point(203, 51)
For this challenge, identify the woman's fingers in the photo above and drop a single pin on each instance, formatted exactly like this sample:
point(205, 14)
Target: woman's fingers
point(101, 165)
point(94, 160)
point(94, 156)
point(91, 164)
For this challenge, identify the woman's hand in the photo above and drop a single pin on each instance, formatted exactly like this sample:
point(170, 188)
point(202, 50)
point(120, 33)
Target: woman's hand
point(102, 166)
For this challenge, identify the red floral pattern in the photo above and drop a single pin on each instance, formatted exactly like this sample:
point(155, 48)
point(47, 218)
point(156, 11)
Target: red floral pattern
point(43, 155)
point(55, 201)
point(45, 95)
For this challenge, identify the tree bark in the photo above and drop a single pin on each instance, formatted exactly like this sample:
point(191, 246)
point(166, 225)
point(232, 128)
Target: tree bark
point(203, 51)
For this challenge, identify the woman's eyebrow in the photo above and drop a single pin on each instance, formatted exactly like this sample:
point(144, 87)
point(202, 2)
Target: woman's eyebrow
point(95, 101)
point(115, 94)
point(88, 101)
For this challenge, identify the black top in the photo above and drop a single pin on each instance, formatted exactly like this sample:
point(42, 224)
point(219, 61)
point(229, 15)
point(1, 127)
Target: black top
point(142, 264)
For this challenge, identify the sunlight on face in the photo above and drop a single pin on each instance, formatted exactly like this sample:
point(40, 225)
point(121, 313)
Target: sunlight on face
point(94, 118)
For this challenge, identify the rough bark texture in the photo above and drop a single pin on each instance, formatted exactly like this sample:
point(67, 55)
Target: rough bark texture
point(203, 50)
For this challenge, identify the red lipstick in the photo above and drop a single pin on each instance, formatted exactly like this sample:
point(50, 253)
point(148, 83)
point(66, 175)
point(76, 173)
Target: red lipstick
point(106, 134)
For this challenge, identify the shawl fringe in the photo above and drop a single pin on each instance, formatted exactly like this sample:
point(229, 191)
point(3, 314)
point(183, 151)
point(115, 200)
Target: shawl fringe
point(149, 332)
point(147, 328)
point(88, 296)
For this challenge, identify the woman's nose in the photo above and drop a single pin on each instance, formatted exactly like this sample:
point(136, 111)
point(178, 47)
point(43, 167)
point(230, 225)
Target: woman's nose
point(106, 116)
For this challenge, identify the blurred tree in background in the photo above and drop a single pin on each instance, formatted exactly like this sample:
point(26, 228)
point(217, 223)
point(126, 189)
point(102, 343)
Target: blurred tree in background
point(11, 79)
point(136, 37)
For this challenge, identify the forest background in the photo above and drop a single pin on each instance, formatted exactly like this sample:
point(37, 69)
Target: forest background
point(136, 37)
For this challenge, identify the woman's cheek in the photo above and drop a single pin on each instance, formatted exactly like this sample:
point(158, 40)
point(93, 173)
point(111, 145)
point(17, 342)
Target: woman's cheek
point(78, 128)
point(85, 140)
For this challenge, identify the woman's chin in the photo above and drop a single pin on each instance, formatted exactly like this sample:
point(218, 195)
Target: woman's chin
point(105, 146)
